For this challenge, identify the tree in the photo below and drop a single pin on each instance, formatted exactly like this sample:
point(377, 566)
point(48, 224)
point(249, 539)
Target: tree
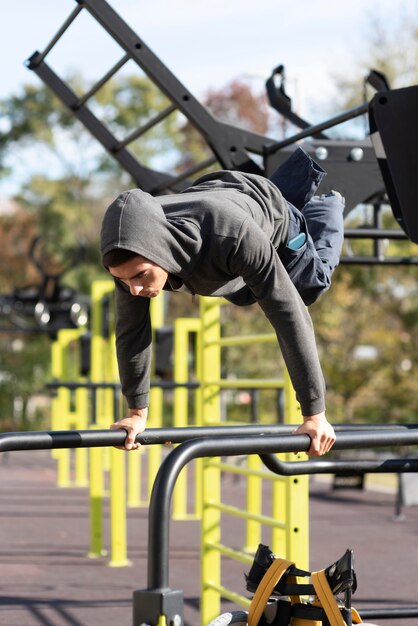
point(364, 324)
point(390, 49)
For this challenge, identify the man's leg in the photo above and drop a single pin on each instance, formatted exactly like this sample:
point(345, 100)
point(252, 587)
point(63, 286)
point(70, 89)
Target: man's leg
point(298, 178)
point(325, 222)
point(311, 265)
point(316, 229)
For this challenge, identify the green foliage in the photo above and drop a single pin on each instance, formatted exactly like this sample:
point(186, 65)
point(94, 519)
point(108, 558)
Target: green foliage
point(365, 333)
point(390, 48)
point(24, 372)
point(366, 325)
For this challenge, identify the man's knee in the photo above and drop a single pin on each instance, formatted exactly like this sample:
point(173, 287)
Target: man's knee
point(324, 217)
point(310, 275)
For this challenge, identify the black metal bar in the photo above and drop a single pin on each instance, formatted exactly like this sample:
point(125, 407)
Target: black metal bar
point(60, 32)
point(116, 404)
point(316, 128)
point(99, 84)
point(370, 260)
point(94, 407)
point(389, 613)
point(373, 233)
point(189, 172)
point(150, 124)
point(47, 440)
point(161, 384)
point(377, 223)
point(159, 511)
point(81, 385)
point(144, 177)
point(223, 443)
point(220, 140)
point(352, 467)
point(282, 103)
point(160, 503)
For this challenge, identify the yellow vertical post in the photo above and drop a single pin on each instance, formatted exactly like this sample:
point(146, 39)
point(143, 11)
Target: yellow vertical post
point(81, 423)
point(182, 329)
point(155, 411)
point(134, 478)
point(297, 493)
point(180, 408)
point(198, 409)
point(254, 505)
point(291, 498)
point(65, 366)
point(118, 531)
point(56, 372)
point(279, 513)
point(210, 361)
point(101, 361)
point(96, 490)
point(58, 413)
point(210, 368)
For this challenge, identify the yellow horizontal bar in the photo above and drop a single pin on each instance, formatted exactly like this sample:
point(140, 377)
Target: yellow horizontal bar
point(244, 471)
point(246, 383)
point(235, 555)
point(228, 594)
point(237, 340)
point(235, 512)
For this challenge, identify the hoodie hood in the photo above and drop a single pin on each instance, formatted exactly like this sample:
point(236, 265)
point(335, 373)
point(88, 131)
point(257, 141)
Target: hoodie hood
point(135, 221)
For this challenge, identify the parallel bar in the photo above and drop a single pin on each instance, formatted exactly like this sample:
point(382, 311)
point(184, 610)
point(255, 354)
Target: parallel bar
point(159, 511)
point(102, 81)
point(48, 440)
point(388, 466)
point(241, 471)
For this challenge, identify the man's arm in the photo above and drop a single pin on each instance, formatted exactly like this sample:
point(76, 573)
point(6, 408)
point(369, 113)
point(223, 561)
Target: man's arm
point(259, 264)
point(134, 424)
point(133, 345)
point(320, 431)
point(133, 349)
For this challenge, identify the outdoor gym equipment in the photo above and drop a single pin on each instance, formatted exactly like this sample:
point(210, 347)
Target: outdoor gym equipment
point(47, 306)
point(363, 171)
point(278, 594)
point(159, 601)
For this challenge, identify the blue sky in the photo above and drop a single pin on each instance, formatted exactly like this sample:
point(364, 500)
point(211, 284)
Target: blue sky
point(205, 44)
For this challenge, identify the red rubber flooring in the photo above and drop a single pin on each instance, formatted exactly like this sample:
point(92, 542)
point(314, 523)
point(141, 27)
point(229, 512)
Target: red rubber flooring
point(46, 578)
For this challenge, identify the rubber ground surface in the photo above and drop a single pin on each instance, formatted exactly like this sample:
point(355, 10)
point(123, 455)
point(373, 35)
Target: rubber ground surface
point(47, 579)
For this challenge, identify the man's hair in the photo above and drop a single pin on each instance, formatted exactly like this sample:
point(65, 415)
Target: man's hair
point(117, 256)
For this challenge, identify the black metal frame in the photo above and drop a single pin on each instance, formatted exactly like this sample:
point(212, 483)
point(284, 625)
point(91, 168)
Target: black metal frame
point(232, 147)
point(158, 599)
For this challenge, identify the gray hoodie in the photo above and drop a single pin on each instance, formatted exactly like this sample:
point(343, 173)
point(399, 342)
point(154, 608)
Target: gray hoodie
point(220, 237)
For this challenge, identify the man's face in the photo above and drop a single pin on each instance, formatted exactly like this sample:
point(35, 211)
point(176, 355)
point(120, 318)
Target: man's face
point(143, 277)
